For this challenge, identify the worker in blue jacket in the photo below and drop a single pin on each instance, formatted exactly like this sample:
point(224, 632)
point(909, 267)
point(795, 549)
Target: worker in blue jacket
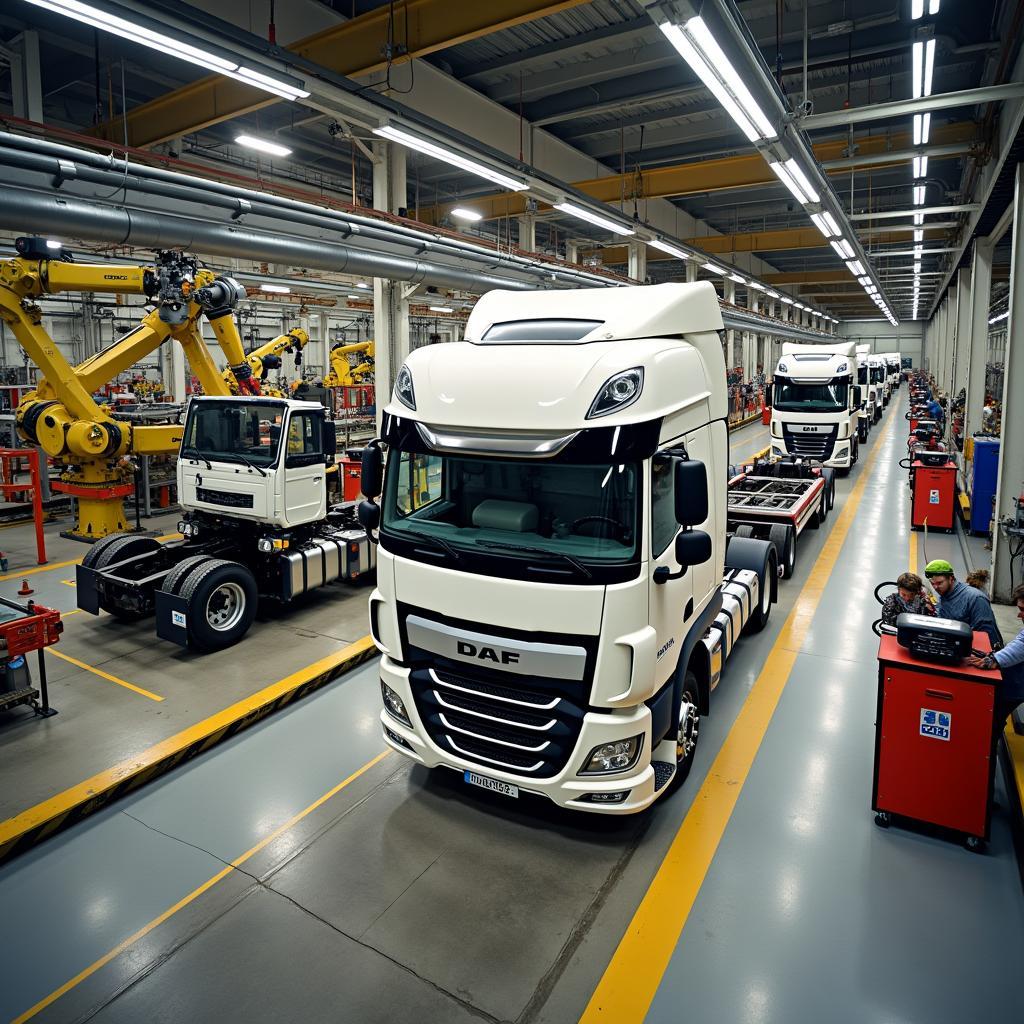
point(936, 412)
point(1010, 662)
point(961, 602)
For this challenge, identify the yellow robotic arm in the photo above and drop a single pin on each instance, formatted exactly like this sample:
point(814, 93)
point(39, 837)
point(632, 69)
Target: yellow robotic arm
point(342, 373)
point(268, 357)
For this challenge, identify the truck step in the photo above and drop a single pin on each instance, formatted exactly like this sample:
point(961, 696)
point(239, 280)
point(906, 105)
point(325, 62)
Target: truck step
point(663, 772)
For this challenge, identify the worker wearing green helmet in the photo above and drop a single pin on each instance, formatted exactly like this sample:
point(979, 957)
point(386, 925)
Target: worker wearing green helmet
point(961, 602)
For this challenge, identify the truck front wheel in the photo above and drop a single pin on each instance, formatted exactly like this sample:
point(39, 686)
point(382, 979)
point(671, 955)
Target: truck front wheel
point(117, 548)
point(688, 731)
point(222, 599)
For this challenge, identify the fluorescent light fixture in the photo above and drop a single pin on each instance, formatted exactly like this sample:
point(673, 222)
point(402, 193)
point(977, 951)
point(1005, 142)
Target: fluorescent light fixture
point(168, 44)
point(593, 218)
point(790, 173)
point(737, 278)
point(251, 142)
point(362, 284)
point(920, 166)
point(441, 309)
point(464, 214)
point(826, 224)
point(449, 156)
point(917, 268)
point(864, 280)
point(672, 250)
point(771, 294)
point(843, 249)
point(357, 297)
point(52, 243)
point(919, 195)
point(699, 48)
point(916, 9)
point(922, 126)
point(277, 289)
point(855, 267)
point(713, 268)
point(929, 66)
point(758, 287)
point(918, 251)
point(786, 299)
point(1002, 316)
point(933, 6)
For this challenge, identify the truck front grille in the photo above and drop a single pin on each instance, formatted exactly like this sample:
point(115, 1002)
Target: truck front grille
point(810, 446)
point(521, 727)
point(230, 499)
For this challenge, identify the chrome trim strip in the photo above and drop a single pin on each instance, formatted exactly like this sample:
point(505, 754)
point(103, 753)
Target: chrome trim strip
point(489, 760)
point(521, 445)
point(489, 718)
point(491, 739)
point(493, 696)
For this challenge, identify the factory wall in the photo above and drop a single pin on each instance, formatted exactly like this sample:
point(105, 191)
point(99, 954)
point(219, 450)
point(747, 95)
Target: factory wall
point(905, 338)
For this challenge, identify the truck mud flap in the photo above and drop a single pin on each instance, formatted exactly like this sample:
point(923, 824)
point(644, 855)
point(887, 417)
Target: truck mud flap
point(172, 618)
point(87, 590)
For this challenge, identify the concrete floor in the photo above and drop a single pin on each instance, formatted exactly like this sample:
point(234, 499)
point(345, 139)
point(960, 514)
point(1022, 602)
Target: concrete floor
point(295, 874)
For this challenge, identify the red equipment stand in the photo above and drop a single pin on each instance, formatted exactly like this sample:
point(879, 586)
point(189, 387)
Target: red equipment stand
point(32, 627)
point(933, 496)
point(10, 459)
point(934, 749)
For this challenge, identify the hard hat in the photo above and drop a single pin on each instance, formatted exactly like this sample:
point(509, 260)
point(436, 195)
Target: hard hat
point(938, 567)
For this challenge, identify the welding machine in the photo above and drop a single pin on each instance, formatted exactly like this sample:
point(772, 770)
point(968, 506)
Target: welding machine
point(933, 491)
point(934, 727)
point(933, 639)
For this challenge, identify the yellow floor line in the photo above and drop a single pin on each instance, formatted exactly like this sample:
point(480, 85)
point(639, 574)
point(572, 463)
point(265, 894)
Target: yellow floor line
point(105, 675)
point(912, 560)
point(21, 573)
point(195, 893)
point(628, 986)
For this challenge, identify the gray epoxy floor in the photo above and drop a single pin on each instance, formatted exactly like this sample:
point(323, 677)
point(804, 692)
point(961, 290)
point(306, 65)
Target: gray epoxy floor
point(405, 898)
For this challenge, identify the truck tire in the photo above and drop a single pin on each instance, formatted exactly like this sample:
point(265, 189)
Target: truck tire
point(174, 579)
point(758, 556)
point(687, 729)
point(221, 598)
point(120, 547)
point(744, 530)
point(830, 487)
point(784, 539)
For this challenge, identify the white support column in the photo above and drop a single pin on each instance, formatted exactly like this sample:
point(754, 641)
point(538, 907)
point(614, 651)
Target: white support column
point(637, 261)
point(1011, 447)
point(730, 336)
point(172, 369)
point(962, 339)
point(528, 233)
point(320, 354)
point(981, 290)
point(750, 341)
point(572, 252)
point(390, 301)
point(691, 271)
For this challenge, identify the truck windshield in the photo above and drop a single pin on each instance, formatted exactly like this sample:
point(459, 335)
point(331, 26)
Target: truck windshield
point(877, 374)
point(862, 375)
point(234, 431)
point(829, 396)
point(586, 514)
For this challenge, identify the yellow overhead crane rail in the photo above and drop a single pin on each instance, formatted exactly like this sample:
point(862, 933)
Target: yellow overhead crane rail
point(61, 415)
point(342, 374)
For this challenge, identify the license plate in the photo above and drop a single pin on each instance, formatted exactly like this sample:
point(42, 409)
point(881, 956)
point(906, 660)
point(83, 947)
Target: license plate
point(504, 788)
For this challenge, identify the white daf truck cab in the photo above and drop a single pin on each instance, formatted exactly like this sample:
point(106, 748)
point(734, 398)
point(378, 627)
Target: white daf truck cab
point(869, 377)
point(894, 367)
point(556, 591)
point(815, 401)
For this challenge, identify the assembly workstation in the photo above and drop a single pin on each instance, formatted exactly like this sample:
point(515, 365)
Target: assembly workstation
point(511, 512)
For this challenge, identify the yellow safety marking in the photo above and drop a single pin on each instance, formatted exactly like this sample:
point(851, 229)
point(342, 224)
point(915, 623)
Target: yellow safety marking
point(1015, 748)
point(74, 611)
point(195, 893)
point(21, 573)
point(61, 804)
point(628, 986)
point(69, 583)
point(105, 675)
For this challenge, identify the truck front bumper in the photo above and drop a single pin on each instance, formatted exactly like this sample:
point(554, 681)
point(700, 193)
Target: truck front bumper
point(567, 789)
point(842, 452)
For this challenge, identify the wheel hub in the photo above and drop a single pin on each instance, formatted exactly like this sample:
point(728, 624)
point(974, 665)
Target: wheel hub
point(225, 607)
point(689, 724)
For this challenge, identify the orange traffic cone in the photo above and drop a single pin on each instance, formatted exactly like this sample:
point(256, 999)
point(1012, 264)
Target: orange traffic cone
point(25, 589)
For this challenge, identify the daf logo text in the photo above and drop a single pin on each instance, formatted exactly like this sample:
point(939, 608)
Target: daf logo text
point(468, 650)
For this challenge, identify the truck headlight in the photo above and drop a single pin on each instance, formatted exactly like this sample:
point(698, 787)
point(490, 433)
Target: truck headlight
point(617, 756)
point(618, 392)
point(404, 390)
point(265, 545)
point(393, 704)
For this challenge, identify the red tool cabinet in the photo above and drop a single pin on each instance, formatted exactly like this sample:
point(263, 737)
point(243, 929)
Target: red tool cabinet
point(933, 493)
point(934, 758)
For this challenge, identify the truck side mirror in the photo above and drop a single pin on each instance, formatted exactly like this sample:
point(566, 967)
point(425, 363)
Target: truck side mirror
point(693, 547)
point(691, 492)
point(768, 395)
point(372, 472)
point(857, 398)
point(369, 516)
point(329, 436)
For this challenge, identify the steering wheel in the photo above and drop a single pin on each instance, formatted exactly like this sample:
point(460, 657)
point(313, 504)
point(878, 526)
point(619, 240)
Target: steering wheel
point(617, 529)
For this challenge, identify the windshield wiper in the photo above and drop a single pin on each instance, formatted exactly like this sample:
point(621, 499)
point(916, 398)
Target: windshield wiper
point(430, 539)
point(232, 456)
point(547, 553)
point(195, 453)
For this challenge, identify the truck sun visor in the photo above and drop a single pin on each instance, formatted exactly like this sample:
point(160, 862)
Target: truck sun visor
point(546, 331)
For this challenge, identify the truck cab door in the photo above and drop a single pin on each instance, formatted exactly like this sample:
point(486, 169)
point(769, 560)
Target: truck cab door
point(305, 467)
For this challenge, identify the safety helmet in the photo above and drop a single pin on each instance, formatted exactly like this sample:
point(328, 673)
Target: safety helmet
point(938, 567)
